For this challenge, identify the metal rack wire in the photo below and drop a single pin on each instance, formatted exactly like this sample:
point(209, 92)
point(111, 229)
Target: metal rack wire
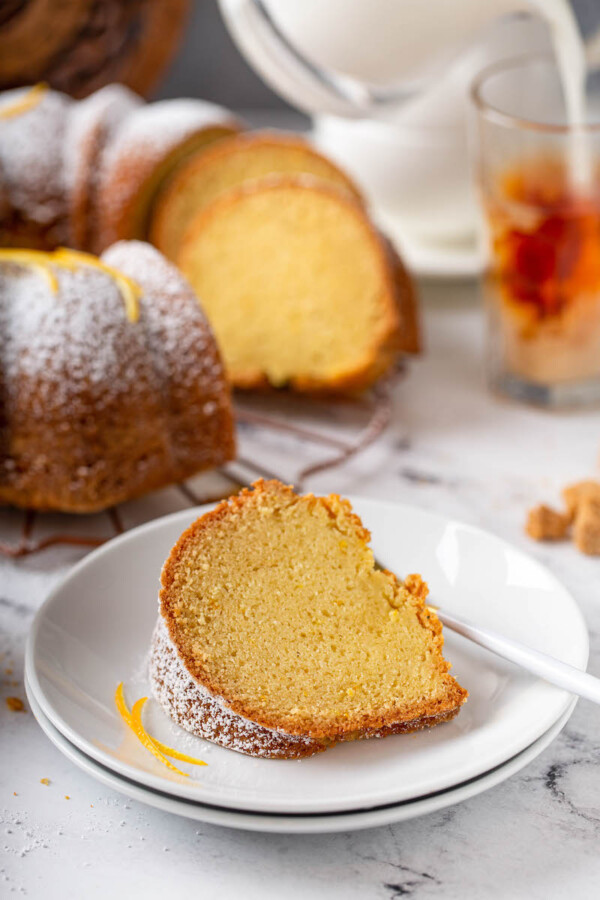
point(378, 408)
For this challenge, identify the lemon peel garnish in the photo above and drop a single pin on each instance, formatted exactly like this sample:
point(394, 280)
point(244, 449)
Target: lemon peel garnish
point(71, 260)
point(34, 259)
point(129, 289)
point(25, 102)
point(133, 719)
point(175, 754)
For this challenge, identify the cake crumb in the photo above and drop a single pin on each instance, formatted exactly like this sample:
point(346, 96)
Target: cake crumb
point(546, 524)
point(579, 493)
point(586, 532)
point(45, 781)
point(15, 704)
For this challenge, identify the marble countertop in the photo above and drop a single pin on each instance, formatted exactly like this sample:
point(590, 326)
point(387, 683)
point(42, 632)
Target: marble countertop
point(453, 448)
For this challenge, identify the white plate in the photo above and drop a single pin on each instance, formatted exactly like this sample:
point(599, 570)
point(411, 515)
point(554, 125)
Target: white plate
point(305, 824)
point(95, 628)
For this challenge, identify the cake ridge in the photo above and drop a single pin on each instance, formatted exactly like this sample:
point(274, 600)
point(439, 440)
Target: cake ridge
point(97, 409)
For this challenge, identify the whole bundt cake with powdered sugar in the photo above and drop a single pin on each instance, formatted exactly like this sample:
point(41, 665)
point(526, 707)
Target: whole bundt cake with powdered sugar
point(111, 384)
point(301, 289)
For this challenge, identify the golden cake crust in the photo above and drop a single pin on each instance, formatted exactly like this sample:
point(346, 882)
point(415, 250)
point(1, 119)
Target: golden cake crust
point(407, 718)
point(193, 708)
point(206, 166)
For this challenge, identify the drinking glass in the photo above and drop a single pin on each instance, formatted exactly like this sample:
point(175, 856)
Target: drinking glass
point(538, 180)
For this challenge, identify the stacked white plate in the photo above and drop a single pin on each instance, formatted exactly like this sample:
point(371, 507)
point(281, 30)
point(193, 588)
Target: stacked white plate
point(94, 632)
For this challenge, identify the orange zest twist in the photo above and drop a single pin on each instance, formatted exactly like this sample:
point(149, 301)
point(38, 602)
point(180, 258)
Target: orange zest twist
point(71, 260)
point(34, 259)
point(129, 289)
point(25, 102)
point(133, 718)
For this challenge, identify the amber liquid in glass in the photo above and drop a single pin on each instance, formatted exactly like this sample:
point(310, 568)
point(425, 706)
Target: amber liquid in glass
point(544, 274)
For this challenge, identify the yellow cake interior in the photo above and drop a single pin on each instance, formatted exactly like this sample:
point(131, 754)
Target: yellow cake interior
point(280, 606)
point(295, 284)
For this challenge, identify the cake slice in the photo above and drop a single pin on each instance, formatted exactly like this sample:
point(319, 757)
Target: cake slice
point(279, 636)
point(226, 165)
point(300, 288)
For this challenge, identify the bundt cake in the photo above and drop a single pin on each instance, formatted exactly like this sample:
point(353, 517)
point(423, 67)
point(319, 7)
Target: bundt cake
point(278, 636)
point(232, 162)
point(153, 141)
point(32, 129)
point(78, 46)
point(299, 287)
point(111, 383)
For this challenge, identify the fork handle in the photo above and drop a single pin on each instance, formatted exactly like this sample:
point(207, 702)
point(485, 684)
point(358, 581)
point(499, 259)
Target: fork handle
point(547, 667)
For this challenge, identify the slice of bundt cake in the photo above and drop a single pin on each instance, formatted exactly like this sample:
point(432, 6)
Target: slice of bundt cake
point(111, 384)
point(230, 163)
point(146, 150)
point(300, 288)
point(279, 636)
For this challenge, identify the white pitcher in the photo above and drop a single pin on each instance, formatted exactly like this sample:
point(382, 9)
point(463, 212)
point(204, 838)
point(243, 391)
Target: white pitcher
point(367, 57)
point(386, 82)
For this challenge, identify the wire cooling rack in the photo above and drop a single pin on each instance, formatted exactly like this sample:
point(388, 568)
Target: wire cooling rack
point(275, 414)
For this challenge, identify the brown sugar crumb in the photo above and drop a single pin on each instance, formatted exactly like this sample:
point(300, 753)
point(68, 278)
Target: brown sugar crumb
point(45, 781)
point(8, 671)
point(15, 704)
point(546, 524)
point(586, 532)
point(576, 494)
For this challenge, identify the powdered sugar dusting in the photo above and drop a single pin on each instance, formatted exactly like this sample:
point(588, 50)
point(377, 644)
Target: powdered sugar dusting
point(157, 127)
point(31, 147)
point(143, 141)
point(192, 707)
point(184, 354)
point(91, 125)
point(98, 408)
point(67, 343)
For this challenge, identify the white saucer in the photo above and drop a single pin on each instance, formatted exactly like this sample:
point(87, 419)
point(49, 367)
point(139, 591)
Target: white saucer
point(441, 260)
point(303, 824)
point(94, 631)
